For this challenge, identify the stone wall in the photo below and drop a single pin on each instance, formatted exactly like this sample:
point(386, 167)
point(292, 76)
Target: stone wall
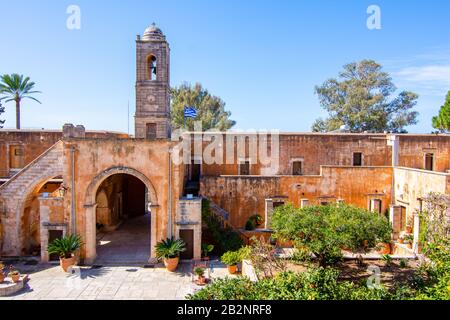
point(243, 196)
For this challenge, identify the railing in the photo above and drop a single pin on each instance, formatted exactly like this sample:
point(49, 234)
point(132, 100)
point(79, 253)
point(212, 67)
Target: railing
point(223, 216)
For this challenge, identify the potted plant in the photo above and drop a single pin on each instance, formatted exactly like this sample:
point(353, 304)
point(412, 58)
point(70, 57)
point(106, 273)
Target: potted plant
point(14, 274)
point(169, 251)
point(387, 259)
point(206, 250)
point(384, 248)
point(200, 272)
point(409, 225)
point(253, 222)
point(409, 239)
point(66, 248)
point(231, 259)
point(2, 274)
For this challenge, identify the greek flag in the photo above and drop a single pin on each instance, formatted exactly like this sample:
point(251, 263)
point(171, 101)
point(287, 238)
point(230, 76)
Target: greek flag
point(190, 112)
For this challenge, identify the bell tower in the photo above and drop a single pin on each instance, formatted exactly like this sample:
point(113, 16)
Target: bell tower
point(152, 118)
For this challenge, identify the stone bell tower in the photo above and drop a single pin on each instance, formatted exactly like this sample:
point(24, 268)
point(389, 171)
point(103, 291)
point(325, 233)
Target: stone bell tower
point(152, 119)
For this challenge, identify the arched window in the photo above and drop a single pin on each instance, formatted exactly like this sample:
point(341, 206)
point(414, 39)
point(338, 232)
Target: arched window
point(151, 67)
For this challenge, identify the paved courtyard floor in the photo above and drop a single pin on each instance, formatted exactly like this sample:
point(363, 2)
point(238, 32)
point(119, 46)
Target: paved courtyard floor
point(130, 243)
point(49, 282)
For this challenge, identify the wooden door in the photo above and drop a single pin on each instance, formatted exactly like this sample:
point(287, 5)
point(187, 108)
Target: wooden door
point(16, 157)
point(52, 236)
point(188, 237)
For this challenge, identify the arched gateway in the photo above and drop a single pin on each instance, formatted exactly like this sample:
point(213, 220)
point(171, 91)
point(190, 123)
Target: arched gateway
point(92, 202)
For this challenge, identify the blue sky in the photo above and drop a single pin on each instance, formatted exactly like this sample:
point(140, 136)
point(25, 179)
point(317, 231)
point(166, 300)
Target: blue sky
point(262, 57)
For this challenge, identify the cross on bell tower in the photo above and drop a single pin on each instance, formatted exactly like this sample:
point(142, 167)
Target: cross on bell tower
point(152, 119)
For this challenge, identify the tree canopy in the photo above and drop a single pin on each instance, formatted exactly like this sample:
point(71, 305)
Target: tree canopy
point(16, 87)
point(2, 110)
point(361, 100)
point(325, 230)
point(210, 109)
point(442, 120)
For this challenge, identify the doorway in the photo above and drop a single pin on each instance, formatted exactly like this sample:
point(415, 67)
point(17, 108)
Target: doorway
point(123, 221)
point(188, 237)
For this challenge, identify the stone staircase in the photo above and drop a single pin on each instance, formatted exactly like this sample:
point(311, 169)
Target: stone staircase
point(43, 166)
point(224, 218)
point(15, 191)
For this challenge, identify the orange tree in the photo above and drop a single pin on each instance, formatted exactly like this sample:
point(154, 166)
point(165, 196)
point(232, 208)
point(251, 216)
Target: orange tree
point(325, 230)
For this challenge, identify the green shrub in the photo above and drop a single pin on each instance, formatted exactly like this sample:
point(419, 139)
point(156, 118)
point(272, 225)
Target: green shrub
point(325, 230)
point(316, 284)
point(65, 246)
point(169, 248)
point(226, 238)
point(231, 258)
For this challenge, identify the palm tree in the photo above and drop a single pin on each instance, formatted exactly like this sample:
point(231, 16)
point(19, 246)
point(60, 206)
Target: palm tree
point(15, 87)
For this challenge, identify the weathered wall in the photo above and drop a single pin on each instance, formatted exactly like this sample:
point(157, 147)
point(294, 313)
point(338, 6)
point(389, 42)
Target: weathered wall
point(336, 149)
point(414, 147)
point(35, 142)
point(94, 157)
point(244, 196)
point(413, 184)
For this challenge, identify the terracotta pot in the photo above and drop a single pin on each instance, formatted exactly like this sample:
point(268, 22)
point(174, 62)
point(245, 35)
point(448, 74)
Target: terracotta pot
point(409, 230)
point(15, 278)
point(410, 245)
point(400, 240)
point(2, 277)
point(205, 258)
point(171, 264)
point(419, 248)
point(66, 263)
point(202, 279)
point(232, 269)
point(385, 248)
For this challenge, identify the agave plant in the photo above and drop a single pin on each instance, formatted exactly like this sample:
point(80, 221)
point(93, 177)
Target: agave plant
point(169, 248)
point(66, 246)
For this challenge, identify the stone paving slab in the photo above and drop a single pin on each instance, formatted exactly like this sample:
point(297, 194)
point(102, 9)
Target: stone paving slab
point(49, 282)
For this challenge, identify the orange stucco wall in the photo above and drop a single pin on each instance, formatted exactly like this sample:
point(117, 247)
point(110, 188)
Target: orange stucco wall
point(244, 196)
point(94, 157)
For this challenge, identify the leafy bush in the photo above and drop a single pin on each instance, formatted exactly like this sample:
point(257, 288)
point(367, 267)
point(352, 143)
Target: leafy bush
point(226, 238)
point(65, 246)
point(435, 282)
point(316, 284)
point(325, 230)
point(250, 225)
point(169, 248)
point(231, 258)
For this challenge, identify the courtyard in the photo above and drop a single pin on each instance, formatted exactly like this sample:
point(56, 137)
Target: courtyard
point(49, 282)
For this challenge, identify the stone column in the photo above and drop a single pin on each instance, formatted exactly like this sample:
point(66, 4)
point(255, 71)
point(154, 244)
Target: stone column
point(91, 230)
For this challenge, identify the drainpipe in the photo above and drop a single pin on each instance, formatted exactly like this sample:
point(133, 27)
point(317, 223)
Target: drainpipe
point(169, 209)
point(72, 212)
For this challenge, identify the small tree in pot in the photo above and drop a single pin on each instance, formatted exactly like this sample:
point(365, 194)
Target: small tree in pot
point(200, 272)
point(169, 251)
point(65, 248)
point(231, 259)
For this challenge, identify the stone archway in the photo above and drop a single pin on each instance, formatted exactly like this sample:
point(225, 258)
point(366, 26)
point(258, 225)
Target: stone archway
point(90, 206)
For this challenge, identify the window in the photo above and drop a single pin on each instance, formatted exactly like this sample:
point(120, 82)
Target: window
point(304, 203)
point(151, 131)
point(429, 161)
point(151, 68)
point(244, 168)
point(278, 204)
point(375, 205)
point(297, 168)
point(357, 159)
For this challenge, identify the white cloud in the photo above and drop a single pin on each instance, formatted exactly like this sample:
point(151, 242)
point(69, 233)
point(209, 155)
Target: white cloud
point(438, 75)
